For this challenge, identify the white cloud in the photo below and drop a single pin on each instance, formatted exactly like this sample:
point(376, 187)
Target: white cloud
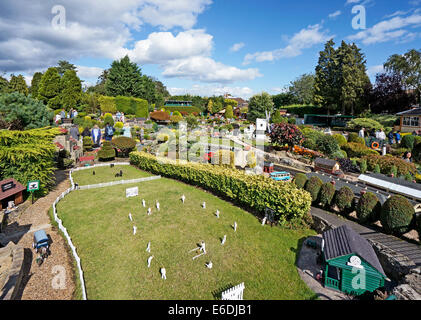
point(352, 1)
point(304, 39)
point(335, 14)
point(237, 46)
point(89, 72)
point(373, 70)
point(207, 91)
point(207, 70)
point(389, 30)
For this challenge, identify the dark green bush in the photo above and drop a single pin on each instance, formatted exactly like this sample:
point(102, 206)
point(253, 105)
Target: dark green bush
point(368, 208)
point(344, 198)
point(396, 215)
point(327, 145)
point(408, 141)
point(352, 137)
point(376, 168)
point(300, 180)
point(326, 194)
point(125, 145)
point(107, 152)
point(313, 186)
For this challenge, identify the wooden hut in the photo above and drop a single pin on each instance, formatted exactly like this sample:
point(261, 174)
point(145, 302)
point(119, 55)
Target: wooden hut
point(345, 253)
point(11, 190)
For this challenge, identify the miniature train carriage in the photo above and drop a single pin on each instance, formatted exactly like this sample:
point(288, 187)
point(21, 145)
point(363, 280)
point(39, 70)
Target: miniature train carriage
point(280, 176)
point(351, 265)
point(328, 166)
point(40, 240)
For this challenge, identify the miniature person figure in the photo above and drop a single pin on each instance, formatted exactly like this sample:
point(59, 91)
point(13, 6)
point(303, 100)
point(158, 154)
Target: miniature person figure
point(149, 261)
point(149, 211)
point(235, 226)
point(264, 221)
point(144, 203)
point(203, 247)
point(223, 240)
point(217, 214)
point(204, 205)
point(157, 205)
point(130, 217)
point(183, 198)
point(163, 274)
point(148, 248)
point(209, 265)
point(134, 230)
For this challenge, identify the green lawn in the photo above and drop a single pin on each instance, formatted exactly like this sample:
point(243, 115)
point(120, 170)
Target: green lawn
point(107, 174)
point(115, 261)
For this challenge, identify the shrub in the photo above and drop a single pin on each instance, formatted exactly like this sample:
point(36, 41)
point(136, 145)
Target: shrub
point(119, 125)
point(387, 162)
point(357, 150)
point(408, 141)
point(87, 144)
point(340, 139)
point(343, 199)
point(313, 186)
point(347, 165)
point(107, 104)
point(396, 215)
point(368, 208)
point(292, 121)
point(393, 171)
point(176, 118)
point(300, 180)
point(327, 145)
point(124, 144)
point(108, 118)
point(254, 192)
point(107, 152)
point(340, 154)
point(285, 133)
point(159, 116)
point(376, 168)
point(363, 166)
point(353, 137)
point(326, 194)
point(366, 123)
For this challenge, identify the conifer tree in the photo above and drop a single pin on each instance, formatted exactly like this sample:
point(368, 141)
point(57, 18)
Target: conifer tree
point(71, 90)
point(49, 88)
point(18, 84)
point(36, 79)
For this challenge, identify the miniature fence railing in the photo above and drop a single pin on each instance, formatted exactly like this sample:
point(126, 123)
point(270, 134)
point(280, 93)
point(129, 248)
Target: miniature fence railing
point(60, 223)
point(235, 293)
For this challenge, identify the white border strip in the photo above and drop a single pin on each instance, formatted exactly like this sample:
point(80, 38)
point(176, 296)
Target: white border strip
point(101, 185)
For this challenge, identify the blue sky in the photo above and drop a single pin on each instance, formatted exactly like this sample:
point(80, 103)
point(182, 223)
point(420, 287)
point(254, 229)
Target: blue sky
point(202, 47)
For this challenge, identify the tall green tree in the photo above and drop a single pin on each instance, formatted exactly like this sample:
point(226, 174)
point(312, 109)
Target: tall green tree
point(63, 66)
point(210, 107)
point(408, 67)
point(124, 79)
point(49, 88)
point(326, 88)
point(303, 88)
point(18, 84)
point(36, 79)
point(260, 106)
point(71, 90)
point(4, 84)
point(229, 114)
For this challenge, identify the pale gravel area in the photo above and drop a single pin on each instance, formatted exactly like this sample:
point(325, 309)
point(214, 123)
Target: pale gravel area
point(37, 282)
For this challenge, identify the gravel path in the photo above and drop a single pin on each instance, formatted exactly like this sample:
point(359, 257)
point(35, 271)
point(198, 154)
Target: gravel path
point(37, 282)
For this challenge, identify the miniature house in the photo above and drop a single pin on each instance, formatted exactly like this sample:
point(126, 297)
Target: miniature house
point(326, 165)
point(345, 253)
point(11, 190)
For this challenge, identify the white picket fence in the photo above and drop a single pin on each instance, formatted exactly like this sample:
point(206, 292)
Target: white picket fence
point(235, 293)
point(101, 185)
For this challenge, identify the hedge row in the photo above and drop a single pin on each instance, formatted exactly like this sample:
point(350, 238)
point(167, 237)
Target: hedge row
point(254, 192)
point(127, 105)
point(386, 163)
point(190, 109)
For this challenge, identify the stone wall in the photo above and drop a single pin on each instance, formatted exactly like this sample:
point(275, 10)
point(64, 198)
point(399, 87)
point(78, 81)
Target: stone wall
point(14, 275)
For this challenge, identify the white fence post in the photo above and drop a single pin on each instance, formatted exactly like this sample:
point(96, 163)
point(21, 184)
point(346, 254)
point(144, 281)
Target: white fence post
point(235, 293)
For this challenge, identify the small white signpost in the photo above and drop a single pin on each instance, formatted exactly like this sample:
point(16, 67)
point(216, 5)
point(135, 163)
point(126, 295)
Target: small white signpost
point(235, 293)
point(132, 192)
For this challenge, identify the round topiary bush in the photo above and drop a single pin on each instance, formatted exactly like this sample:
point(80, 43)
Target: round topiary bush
point(343, 199)
point(119, 125)
point(313, 186)
point(340, 139)
point(368, 208)
point(326, 194)
point(396, 215)
point(300, 180)
point(124, 144)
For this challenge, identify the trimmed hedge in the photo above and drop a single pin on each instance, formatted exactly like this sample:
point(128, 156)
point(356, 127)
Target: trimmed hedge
point(107, 152)
point(396, 215)
point(300, 180)
point(159, 116)
point(326, 194)
point(344, 198)
point(387, 162)
point(368, 208)
point(357, 150)
point(107, 104)
point(124, 144)
point(313, 186)
point(255, 192)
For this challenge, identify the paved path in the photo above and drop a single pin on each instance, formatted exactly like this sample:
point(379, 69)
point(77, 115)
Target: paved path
point(412, 251)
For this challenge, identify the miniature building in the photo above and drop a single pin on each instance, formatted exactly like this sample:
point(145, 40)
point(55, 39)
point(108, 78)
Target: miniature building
point(268, 167)
point(11, 190)
point(410, 120)
point(326, 165)
point(345, 251)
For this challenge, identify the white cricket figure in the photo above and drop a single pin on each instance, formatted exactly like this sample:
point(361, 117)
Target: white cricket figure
point(183, 198)
point(134, 230)
point(157, 205)
point(130, 217)
point(148, 248)
point(217, 214)
point(163, 273)
point(209, 265)
point(204, 205)
point(149, 211)
point(235, 226)
point(224, 239)
point(203, 247)
point(149, 261)
point(144, 203)
point(264, 221)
